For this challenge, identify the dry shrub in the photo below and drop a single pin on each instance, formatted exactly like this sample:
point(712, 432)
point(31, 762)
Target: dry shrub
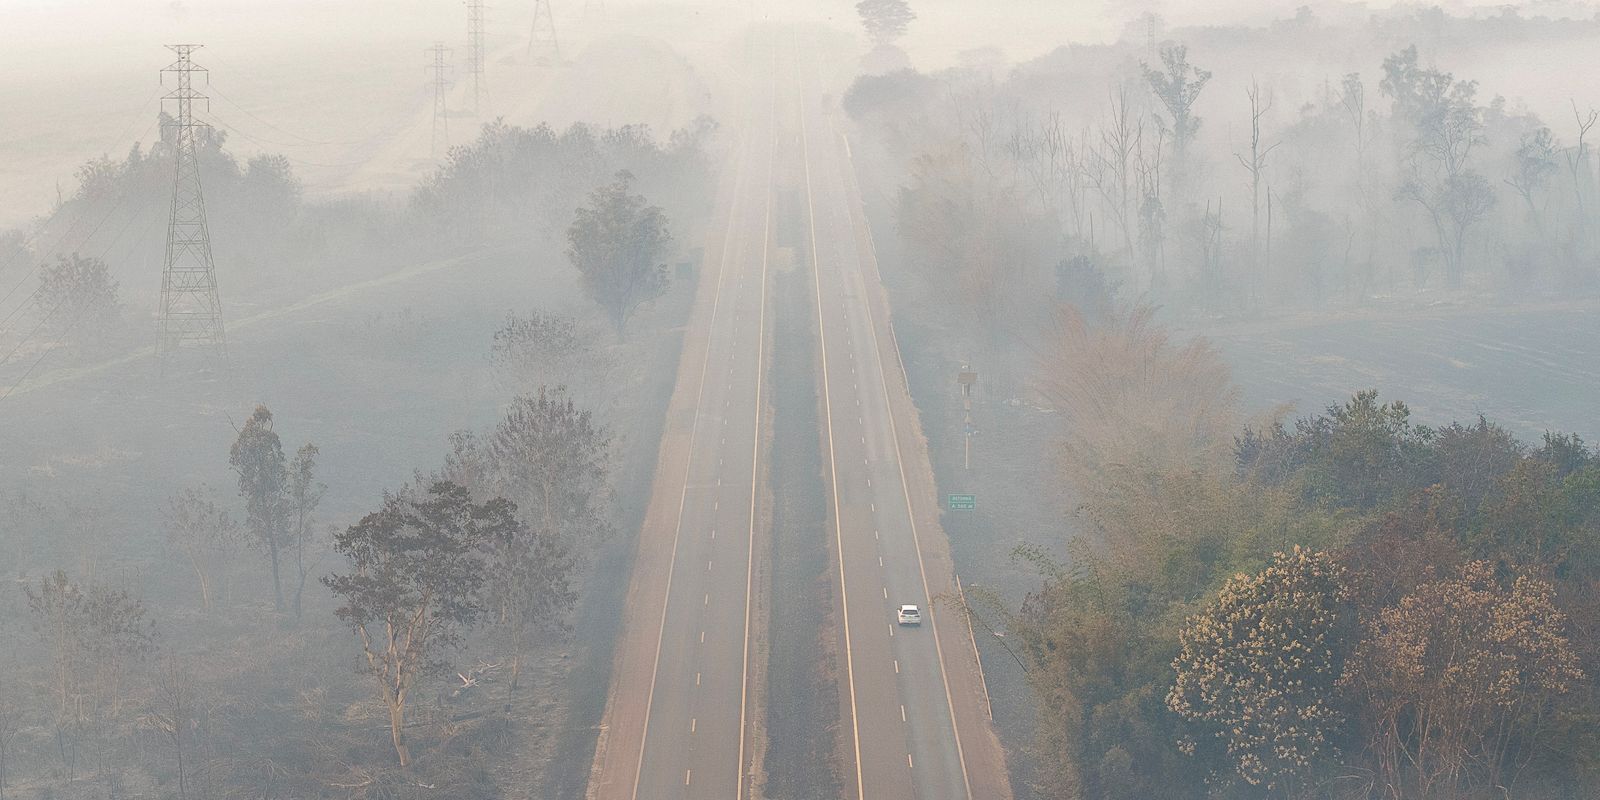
point(1135, 404)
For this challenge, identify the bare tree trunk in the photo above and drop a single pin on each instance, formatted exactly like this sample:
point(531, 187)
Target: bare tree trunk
point(516, 671)
point(277, 584)
point(205, 583)
point(300, 566)
point(397, 722)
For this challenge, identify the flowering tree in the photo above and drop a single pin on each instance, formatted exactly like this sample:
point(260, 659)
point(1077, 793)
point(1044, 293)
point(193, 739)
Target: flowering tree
point(1258, 669)
point(1456, 678)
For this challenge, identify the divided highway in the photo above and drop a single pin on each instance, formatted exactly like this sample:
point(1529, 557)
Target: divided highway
point(682, 720)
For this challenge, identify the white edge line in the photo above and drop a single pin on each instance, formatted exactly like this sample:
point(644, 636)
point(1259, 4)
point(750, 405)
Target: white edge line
point(688, 461)
point(905, 491)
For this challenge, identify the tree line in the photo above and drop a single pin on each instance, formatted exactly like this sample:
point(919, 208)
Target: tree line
point(511, 184)
point(1123, 166)
point(446, 564)
point(1351, 606)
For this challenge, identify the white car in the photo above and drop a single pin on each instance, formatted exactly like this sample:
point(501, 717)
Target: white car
point(910, 615)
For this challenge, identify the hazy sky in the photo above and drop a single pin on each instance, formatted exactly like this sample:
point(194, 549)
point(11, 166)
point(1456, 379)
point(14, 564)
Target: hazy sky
point(80, 77)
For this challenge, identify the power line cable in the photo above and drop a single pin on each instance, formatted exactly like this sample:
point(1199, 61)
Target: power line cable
point(46, 353)
point(318, 142)
point(101, 256)
point(36, 327)
point(85, 240)
point(122, 136)
point(213, 118)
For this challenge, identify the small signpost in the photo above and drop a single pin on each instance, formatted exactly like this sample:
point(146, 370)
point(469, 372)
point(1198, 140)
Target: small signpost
point(967, 378)
point(963, 502)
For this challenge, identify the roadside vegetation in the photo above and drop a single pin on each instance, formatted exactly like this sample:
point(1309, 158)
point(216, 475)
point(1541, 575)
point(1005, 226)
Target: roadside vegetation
point(1353, 605)
point(251, 632)
point(1182, 168)
point(1348, 604)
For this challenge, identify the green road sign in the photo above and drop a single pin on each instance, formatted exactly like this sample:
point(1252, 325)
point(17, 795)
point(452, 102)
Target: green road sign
point(963, 502)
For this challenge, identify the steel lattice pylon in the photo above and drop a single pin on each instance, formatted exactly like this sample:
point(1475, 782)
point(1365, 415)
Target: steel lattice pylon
point(542, 36)
point(475, 52)
point(440, 67)
point(191, 312)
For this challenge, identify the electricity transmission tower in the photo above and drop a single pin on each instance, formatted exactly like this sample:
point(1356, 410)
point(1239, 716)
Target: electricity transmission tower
point(542, 38)
point(441, 86)
point(475, 52)
point(191, 313)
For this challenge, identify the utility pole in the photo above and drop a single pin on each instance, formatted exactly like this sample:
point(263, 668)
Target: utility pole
point(542, 37)
point(441, 87)
point(475, 52)
point(966, 379)
point(191, 312)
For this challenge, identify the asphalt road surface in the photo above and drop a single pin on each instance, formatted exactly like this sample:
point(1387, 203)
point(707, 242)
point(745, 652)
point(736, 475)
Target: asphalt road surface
point(683, 717)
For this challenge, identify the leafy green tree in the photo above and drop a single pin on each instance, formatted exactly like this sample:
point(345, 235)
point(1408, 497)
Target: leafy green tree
point(78, 297)
point(1258, 669)
point(257, 457)
point(303, 493)
point(417, 571)
point(1357, 455)
point(552, 460)
point(1471, 458)
point(885, 20)
point(1566, 452)
point(1395, 552)
point(1444, 124)
point(1099, 655)
point(617, 243)
point(531, 349)
point(530, 581)
point(271, 191)
point(1177, 85)
point(1537, 518)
